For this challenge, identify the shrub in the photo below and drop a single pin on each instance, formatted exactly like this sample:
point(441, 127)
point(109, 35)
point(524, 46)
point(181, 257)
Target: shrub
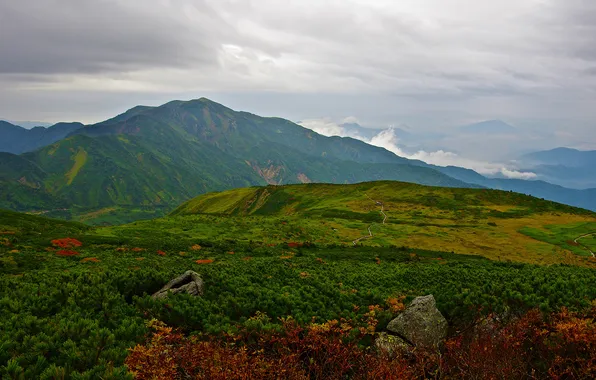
point(66, 243)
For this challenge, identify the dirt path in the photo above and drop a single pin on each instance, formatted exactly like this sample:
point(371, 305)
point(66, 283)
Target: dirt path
point(370, 234)
point(576, 241)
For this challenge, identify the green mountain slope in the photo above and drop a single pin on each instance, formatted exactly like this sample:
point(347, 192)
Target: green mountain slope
point(159, 157)
point(153, 158)
point(495, 224)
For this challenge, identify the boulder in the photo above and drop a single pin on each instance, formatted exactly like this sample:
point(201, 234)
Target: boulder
point(421, 324)
point(190, 282)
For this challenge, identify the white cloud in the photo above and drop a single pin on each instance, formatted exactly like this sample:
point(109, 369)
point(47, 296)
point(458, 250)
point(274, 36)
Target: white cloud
point(388, 139)
point(326, 127)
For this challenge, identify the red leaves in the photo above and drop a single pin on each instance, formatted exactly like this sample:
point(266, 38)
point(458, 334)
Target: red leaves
point(66, 243)
point(204, 261)
point(161, 253)
point(319, 351)
point(562, 345)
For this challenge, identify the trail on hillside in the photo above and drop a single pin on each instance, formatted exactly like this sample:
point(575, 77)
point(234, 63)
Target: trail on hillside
point(576, 241)
point(370, 234)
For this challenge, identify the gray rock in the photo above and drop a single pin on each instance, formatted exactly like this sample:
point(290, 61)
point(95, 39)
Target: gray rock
point(190, 282)
point(421, 324)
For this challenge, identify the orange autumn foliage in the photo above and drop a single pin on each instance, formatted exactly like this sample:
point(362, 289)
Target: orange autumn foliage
point(196, 247)
point(295, 352)
point(557, 346)
point(137, 249)
point(204, 261)
point(161, 253)
point(66, 243)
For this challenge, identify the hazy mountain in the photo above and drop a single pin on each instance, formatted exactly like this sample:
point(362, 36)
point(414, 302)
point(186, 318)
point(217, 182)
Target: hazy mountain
point(28, 124)
point(16, 139)
point(563, 166)
point(561, 157)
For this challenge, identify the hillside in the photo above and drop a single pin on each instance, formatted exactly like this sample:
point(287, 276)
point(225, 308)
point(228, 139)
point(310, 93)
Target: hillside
point(495, 224)
point(280, 260)
point(148, 160)
point(155, 158)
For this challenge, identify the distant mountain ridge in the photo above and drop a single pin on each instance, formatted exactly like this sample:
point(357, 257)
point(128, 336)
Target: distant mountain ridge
point(28, 124)
point(563, 166)
point(158, 157)
point(16, 139)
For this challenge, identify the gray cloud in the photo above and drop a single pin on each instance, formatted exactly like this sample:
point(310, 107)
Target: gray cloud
point(91, 36)
point(431, 64)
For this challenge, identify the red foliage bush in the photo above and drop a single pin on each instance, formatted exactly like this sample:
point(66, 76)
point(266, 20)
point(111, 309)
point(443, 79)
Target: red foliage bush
point(556, 346)
point(315, 352)
point(204, 261)
point(66, 243)
point(67, 252)
point(161, 253)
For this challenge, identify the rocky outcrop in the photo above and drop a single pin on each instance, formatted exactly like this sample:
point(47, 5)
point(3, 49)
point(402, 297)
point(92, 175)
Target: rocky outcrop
point(420, 325)
point(190, 282)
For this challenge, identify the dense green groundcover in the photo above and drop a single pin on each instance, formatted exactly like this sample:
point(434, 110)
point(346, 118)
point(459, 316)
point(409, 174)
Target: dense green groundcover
point(77, 316)
point(59, 314)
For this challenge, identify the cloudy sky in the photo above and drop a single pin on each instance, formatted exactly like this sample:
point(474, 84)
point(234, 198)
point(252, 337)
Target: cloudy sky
point(430, 65)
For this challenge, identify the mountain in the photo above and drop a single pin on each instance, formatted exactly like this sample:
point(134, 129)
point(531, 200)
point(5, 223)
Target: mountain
point(147, 160)
point(491, 223)
point(562, 156)
point(28, 124)
point(563, 166)
point(585, 198)
point(157, 157)
point(489, 127)
point(16, 139)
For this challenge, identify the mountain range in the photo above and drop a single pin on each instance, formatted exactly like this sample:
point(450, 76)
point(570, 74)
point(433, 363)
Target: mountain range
point(563, 166)
point(148, 160)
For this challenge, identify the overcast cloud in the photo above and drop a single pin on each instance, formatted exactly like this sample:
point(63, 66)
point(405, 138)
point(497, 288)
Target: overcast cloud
point(432, 64)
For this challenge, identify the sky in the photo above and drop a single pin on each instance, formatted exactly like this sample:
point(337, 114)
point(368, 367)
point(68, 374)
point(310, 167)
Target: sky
point(428, 65)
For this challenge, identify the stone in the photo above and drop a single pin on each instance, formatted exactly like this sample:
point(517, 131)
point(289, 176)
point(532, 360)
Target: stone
point(190, 282)
point(421, 324)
